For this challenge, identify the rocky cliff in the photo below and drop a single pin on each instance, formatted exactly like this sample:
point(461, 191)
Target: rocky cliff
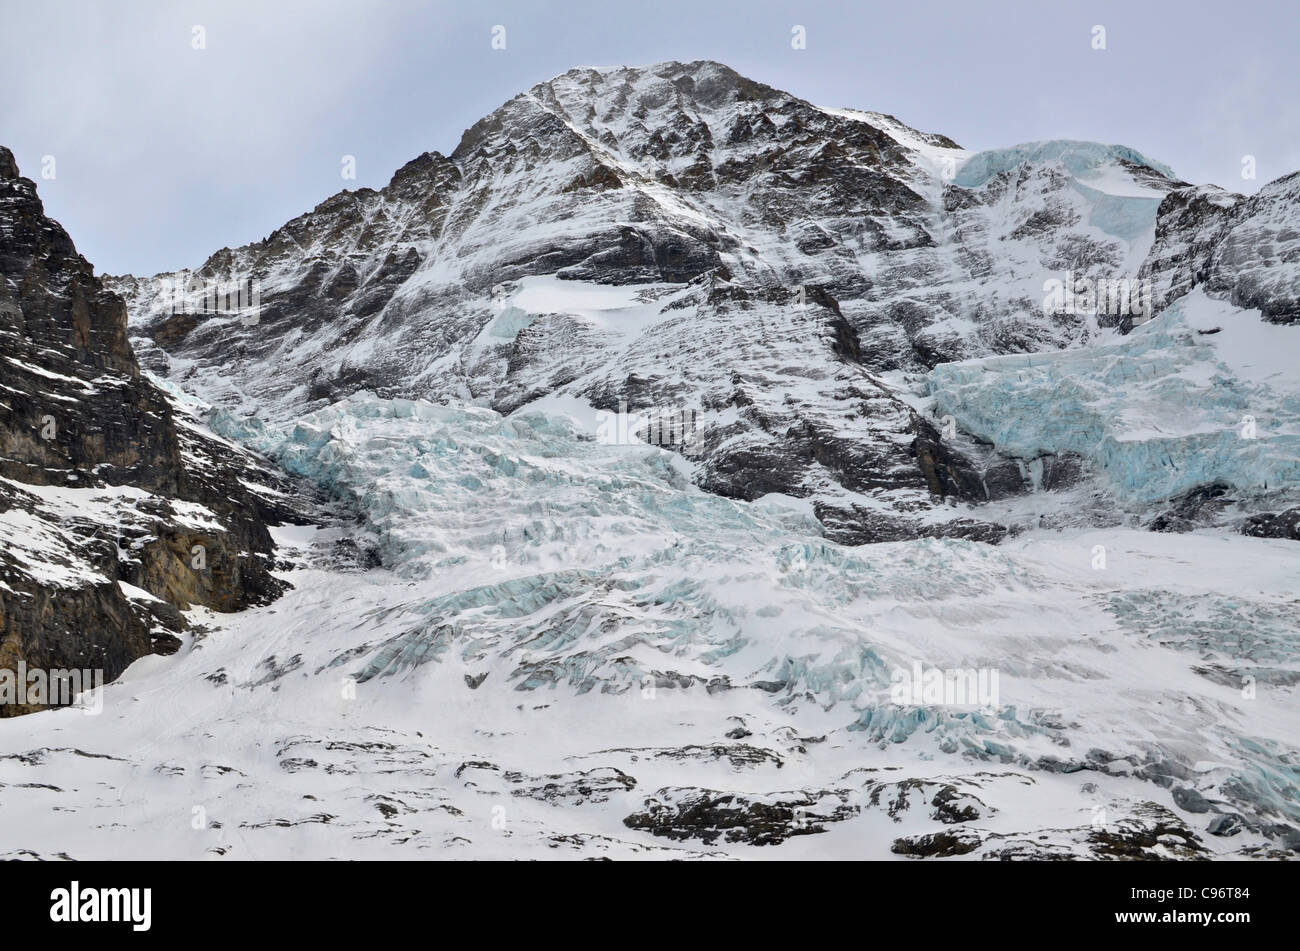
point(117, 509)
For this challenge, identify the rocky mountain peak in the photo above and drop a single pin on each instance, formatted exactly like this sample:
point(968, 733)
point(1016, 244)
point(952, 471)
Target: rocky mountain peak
point(8, 166)
point(791, 256)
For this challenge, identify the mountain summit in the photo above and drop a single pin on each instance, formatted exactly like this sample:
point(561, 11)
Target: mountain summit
point(679, 238)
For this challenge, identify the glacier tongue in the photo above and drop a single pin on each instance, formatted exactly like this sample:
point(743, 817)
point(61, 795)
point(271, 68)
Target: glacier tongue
point(568, 646)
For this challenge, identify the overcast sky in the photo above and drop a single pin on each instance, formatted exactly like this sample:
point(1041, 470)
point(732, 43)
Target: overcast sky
point(164, 153)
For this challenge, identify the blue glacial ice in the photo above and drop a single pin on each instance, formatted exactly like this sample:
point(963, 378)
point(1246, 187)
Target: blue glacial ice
point(1113, 201)
point(1081, 159)
point(521, 547)
point(1159, 412)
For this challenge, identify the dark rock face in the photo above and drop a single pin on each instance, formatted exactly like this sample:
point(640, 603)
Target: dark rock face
point(936, 844)
point(1192, 510)
point(1150, 832)
point(682, 813)
point(595, 785)
point(1244, 250)
point(1225, 825)
point(102, 480)
point(57, 319)
point(1157, 827)
point(1276, 525)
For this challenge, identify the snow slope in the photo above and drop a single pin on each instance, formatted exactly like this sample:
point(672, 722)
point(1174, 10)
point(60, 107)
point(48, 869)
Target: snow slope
point(570, 650)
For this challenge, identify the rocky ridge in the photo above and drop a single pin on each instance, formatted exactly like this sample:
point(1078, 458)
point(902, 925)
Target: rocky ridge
point(117, 508)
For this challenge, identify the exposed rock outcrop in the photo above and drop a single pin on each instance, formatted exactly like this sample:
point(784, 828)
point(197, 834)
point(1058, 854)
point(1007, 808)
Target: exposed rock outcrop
point(1244, 250)
point(117, 509)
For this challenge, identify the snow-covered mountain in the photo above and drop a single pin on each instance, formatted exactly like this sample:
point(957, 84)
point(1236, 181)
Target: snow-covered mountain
point(682, 238)
point(611, 401)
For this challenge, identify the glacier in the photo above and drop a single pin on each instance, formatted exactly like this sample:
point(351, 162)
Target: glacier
point(1204, 394)
point(553, 614)
point(1080, 158)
